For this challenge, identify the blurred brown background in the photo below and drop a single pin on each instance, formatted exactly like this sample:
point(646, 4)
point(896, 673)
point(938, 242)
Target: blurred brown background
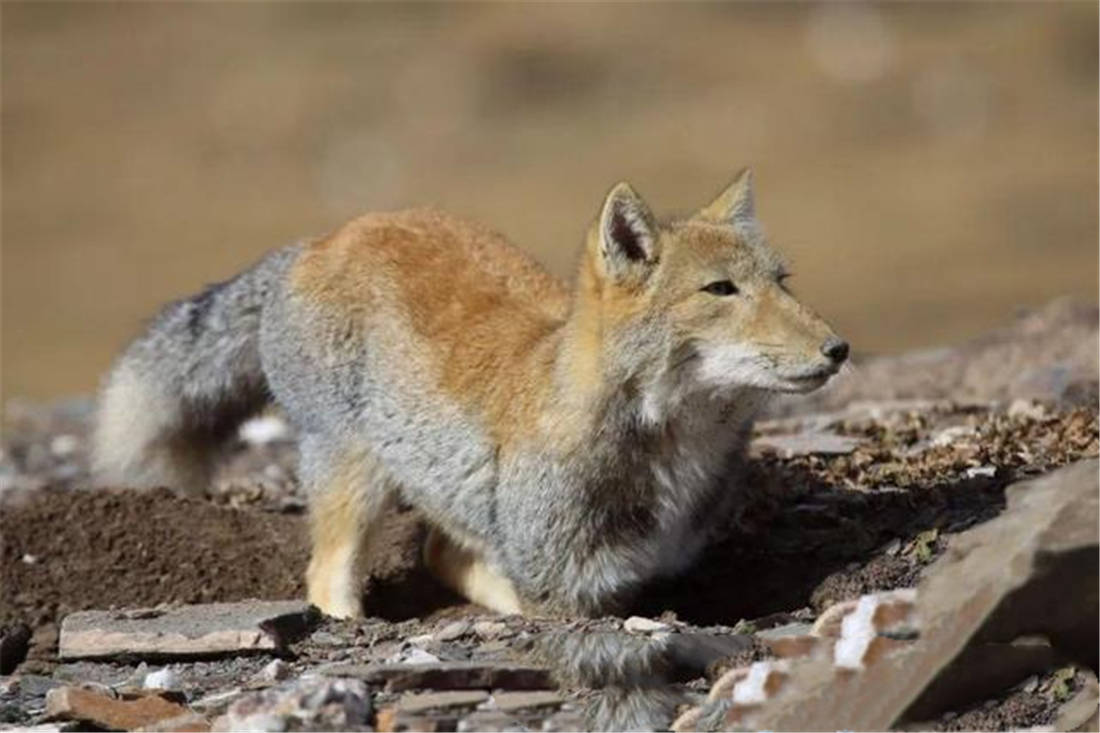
point(928, 168)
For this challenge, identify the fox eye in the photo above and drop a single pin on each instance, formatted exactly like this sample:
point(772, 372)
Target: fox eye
point(721, 287)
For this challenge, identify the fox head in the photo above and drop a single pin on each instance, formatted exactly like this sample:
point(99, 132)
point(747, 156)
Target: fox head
point(700, 304)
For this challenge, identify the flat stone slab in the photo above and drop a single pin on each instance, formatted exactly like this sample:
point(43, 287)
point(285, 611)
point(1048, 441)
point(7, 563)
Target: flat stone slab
point(447, 676)
point(424, 701)
point(74, 703)
point(513, 701)
point(184, 631)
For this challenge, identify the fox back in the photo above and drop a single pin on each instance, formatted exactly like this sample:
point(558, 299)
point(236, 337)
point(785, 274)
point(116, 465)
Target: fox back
point(567, 445)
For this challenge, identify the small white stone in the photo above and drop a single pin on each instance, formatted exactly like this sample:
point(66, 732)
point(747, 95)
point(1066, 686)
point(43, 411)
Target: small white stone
point(753, 690)
point(420, 640)
point(490, 629)
point(857, 630)
point(640, 625)
point(275, 671)
point(30, 559)
point(453, 630)
point(986, 471)
point(274, 472)
point(413, 656)
point(264, 429)
point(947, 436)
point(1027, 408)
point(63, 446)
point(162, 679)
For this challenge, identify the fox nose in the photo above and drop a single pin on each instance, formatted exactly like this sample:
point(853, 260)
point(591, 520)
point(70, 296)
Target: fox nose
point(835, 349)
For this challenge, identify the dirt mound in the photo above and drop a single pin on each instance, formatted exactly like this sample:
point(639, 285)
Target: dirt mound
point(69, 550)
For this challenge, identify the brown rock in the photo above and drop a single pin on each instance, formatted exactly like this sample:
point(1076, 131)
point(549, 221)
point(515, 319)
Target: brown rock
point(184, 631)
point(979, 672)
point(390, 720)
point(786, 647)
point(995, 583)
point(74, 703)
point(187, 723)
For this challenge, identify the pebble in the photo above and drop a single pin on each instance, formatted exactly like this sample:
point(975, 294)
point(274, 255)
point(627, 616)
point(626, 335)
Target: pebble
point(64, 446)
point(413, 656)
point(1028, 409)
point(452, 631)
point(950, 435)
point(275, 472)
point(490, 629)
point(640, 625)
point(275, 671)
point(161, 679)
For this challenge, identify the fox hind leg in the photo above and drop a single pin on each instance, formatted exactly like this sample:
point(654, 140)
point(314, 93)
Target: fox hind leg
point(349, 492)
point(465, 572)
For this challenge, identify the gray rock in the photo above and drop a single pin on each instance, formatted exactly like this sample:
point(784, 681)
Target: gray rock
point(275, 671)
point(308, 703)
point(1042, 547)
point(491, 629)
point(452, 631)
point(425, 701)
point(184, 631)
point(447, 676)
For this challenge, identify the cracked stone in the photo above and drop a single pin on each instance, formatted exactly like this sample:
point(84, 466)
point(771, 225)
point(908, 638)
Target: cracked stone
point(75, 703)
point(184, 631)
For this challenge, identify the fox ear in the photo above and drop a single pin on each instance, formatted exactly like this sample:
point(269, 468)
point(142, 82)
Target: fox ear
point(736, 204)
point(627, 233)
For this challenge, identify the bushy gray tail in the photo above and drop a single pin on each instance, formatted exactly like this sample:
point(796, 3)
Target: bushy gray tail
point(181, 388)
point(637, 680)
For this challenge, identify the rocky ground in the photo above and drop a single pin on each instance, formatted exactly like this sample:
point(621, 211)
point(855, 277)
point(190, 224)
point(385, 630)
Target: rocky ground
point(899, 568)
